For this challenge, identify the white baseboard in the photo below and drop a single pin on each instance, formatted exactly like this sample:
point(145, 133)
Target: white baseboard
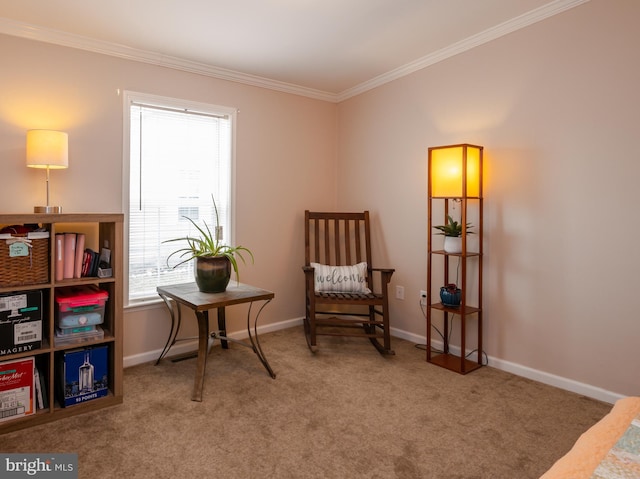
point(513, 368)
point(557, 381)
point(525, 372)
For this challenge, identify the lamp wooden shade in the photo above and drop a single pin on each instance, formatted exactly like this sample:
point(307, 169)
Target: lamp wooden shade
point(455, 171)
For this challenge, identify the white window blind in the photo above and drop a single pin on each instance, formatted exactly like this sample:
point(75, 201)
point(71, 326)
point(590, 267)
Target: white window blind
point(178, 159)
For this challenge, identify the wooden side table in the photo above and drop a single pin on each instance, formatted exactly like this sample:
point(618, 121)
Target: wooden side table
point(189, 296)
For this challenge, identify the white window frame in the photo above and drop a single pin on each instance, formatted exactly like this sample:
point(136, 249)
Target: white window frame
point(130, 97)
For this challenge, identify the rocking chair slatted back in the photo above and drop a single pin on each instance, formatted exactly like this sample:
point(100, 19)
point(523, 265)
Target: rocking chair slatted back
point(344, 239)
point(338, 239)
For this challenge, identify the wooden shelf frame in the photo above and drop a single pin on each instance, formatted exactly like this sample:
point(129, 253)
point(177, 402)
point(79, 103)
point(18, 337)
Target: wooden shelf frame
point(103, 229)
point(469, 307)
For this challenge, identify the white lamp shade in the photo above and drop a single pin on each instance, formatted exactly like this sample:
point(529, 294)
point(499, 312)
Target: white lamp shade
point(47, 148)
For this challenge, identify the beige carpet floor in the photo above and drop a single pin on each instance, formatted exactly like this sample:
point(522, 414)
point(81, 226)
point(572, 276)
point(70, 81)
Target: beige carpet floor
point(345, 412)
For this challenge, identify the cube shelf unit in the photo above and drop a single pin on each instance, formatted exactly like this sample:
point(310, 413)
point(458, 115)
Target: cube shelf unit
point(101, 230)
point(455, 178)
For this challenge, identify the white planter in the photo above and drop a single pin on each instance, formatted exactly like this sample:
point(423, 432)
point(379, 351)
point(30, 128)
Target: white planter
point(453, 244)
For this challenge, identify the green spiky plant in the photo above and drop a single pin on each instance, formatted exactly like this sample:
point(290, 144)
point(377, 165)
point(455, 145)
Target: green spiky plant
point(208, 245)
point(453, 228)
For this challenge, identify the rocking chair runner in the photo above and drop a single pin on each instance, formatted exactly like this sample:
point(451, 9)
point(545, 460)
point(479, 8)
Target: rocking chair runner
point(338, 300)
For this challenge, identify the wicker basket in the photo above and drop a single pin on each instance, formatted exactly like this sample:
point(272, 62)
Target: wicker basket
point(24, 270)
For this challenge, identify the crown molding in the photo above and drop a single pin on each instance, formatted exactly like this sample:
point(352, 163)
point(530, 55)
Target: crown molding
point(57, 37)
point(522, 21)
point(33, 32)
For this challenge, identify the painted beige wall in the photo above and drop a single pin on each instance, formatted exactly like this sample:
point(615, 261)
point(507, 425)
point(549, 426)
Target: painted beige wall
point(285, 159)
point(556, 107)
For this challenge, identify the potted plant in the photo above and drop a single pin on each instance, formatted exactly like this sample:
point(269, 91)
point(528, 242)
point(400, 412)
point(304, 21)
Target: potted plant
point(214, 260)
point(451, 295)
point(452, 232)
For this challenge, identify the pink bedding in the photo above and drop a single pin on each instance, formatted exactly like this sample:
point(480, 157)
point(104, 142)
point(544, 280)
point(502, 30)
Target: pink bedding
point(592, 447)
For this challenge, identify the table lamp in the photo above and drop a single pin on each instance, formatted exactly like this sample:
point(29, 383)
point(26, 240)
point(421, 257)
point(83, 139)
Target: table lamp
point(47, 149)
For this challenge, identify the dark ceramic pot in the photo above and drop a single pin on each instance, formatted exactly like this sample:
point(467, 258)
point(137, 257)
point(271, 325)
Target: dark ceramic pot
point(213, 273)
point(450, 298)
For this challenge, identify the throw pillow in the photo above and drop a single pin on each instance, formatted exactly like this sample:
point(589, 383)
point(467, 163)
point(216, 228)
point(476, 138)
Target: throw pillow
point(341, 279)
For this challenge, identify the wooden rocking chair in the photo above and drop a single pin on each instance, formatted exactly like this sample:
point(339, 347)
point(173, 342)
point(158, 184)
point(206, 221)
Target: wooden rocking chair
point(339, 288)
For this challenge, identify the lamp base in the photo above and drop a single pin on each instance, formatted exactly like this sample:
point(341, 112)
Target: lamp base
point(47, 209)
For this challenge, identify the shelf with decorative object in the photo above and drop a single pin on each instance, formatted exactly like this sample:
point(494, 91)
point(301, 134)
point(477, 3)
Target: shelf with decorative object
point(455, 183)
point(101, 230)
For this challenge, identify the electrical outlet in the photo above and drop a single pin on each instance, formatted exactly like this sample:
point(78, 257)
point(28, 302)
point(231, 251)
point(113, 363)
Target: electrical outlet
point(423, 298)
point(399, 292)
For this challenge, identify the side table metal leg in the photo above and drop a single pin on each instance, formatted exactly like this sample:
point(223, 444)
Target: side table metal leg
point(255, 343)
point(176, 320)
point(222, 327)
point(203, 346)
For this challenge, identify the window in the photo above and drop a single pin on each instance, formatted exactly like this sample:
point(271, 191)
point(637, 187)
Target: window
point(178, 155)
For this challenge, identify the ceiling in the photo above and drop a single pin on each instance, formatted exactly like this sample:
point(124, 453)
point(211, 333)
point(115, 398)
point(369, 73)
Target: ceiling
point(329, 49)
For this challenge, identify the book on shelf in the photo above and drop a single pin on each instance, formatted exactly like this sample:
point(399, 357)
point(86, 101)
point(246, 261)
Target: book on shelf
point(86, 263)
point(90, 263)
point(69, 255)
point(73, 259)
point(17, 388)
point(59, 260)
point(77, 264)
point(42, 401)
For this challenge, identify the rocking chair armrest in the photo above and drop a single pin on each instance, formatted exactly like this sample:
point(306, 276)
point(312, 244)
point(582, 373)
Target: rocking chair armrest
point(309, 276)
point(384, 270)
point(309, 280)
point(385, 274)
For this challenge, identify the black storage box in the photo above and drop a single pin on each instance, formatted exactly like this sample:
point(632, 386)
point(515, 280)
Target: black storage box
point(20, 322)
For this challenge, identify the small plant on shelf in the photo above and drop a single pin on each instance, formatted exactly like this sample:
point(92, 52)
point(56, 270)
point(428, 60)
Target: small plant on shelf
point(451, 295)
point(452, 232)
point(451, 287)
point(453, 228)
